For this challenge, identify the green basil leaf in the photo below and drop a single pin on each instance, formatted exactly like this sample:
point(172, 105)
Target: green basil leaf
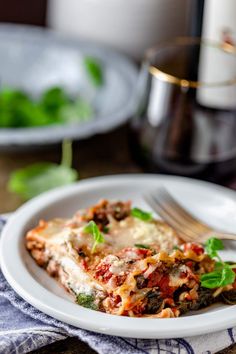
point(219, 266)
point(223, 274)
point(92, 229)
point(213, 245)
point(211, 280)
point(139, 245)
point(18, 109)
point(140, 214)
point(53, 99)
point(32, 180)
point(228, 276)
point(79, 110)
point(94, 71)
point(218, 279)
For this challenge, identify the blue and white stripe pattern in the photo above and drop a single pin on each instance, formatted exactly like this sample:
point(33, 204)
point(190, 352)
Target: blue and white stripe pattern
point(23, 328)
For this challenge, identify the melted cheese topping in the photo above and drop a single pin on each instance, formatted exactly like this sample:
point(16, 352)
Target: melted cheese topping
point(133, 231)
point(125, 233)
point(118, 267)
point(175, 278)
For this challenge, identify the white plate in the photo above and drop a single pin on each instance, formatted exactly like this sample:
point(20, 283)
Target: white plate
point(214, 204)
point(33, 59)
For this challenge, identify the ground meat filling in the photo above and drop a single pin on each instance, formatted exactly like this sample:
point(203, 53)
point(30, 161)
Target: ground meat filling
point(100, 212)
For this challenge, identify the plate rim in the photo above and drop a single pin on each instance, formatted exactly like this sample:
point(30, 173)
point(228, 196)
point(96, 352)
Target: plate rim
point(119, 326)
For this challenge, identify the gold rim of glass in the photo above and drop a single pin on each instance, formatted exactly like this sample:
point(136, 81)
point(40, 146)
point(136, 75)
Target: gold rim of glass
point(226, 47)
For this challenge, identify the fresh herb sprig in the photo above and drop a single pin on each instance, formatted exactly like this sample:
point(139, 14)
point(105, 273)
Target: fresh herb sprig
point(223, 273)
point(141, 214)
point(140, 245)
point(92, 229)
point(37, 178)
point(212, 246)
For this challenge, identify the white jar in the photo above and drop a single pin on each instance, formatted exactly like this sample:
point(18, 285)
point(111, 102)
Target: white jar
point(219, 21)
point(219, 25)
point(128, 25)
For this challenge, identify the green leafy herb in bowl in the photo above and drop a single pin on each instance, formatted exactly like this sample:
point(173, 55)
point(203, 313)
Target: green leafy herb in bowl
point(94, 71)
point(17, 109)
point(55, 106)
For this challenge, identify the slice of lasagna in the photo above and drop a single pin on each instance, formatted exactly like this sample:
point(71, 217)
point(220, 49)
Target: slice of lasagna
point(122, 261)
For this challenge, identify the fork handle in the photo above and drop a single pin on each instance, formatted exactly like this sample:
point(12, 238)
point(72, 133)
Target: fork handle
point(220, 235)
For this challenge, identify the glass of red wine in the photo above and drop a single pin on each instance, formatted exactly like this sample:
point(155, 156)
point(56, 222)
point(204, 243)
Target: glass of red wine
point(185, 122)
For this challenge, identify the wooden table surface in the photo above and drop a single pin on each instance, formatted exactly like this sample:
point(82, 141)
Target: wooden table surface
point(101, 155)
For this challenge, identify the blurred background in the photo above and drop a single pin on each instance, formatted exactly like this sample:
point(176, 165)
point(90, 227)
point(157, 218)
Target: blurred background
point(131, 27)
point(83, 75)
point(34, 14)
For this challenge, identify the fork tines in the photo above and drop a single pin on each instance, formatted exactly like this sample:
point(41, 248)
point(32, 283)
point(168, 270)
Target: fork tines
point(187, 226)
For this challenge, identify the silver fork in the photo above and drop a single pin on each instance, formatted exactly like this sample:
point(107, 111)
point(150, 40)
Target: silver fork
point(188, 227)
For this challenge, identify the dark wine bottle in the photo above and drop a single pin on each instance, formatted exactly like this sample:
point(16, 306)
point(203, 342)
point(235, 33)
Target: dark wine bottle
point(185, 122)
